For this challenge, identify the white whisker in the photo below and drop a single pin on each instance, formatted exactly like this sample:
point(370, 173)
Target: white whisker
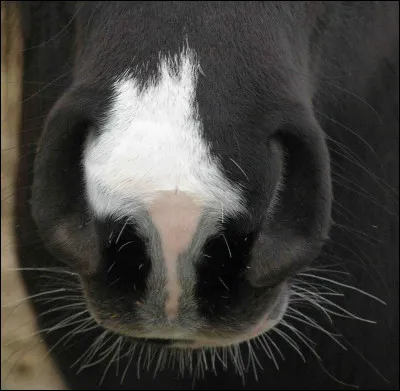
point(227, 245)
point(122, 230)
point(344, 286)
point(25, 299)
point(290, 341)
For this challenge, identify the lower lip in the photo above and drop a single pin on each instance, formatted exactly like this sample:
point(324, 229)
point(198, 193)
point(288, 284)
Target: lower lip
point(262, 326)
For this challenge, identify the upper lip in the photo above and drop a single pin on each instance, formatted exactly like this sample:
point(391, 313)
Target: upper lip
point(252, 331)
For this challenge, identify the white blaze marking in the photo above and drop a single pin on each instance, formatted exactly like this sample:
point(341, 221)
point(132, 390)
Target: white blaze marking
point(150, 146)
point(151, 141)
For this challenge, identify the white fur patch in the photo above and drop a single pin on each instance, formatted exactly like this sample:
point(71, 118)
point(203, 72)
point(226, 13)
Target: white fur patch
point(150, 154)
point(151, 142)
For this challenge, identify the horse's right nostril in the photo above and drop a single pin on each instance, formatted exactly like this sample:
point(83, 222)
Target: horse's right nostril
point(125, 263)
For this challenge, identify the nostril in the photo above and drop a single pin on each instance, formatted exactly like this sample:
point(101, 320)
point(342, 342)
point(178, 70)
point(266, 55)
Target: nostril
point(125, 263)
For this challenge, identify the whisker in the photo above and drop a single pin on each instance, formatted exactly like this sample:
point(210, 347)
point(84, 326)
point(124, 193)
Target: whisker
point(227, 245)
point(43, 269)
point(315, 303)
point(316, 326)
point(302, 337)
point(253, 358)
point(344, 286)
point(114, 346)
point(240, 168)
point(290, 341)
point(124, 246)
point(94, 348)
point(132, 353)
point(265, 345)
point(122, 230)
point(34, 296)
point(222, 282)
point(275, 345)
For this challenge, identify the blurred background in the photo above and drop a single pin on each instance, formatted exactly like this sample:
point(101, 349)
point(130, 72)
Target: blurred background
point(25, 364)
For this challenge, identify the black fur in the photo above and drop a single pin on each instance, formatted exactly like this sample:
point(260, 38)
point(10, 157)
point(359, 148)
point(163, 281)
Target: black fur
point(275, 75)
